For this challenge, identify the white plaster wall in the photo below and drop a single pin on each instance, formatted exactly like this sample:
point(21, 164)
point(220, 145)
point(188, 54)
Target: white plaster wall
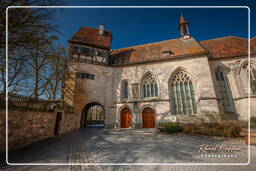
point(105, 88)
point(98, 90)
point(197, 67)
point(238, 85)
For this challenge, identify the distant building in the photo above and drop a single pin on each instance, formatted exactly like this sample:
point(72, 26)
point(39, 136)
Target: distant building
point(145, 85)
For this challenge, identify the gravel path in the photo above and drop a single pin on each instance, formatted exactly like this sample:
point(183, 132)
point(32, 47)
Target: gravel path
point(94, 145)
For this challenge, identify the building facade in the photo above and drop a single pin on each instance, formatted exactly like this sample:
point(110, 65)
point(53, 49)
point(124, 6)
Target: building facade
point(178, 79)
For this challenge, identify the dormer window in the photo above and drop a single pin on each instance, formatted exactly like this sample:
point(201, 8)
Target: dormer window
point(167, 53)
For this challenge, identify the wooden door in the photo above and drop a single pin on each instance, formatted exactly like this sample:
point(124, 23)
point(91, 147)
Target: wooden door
point(58, 123)
point(126, 118)
point(148, 117)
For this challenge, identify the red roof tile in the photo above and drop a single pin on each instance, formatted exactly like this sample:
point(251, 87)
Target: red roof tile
point(253, 42)
point(90, 36)
point(173, 48)
point(225, 47)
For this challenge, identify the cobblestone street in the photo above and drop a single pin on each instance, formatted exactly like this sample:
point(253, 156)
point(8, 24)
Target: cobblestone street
point(95, 145)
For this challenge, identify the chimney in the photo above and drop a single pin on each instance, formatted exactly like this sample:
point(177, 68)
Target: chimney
point(101, 29)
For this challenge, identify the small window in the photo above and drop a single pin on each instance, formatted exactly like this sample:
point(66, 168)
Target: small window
point(85, 51)
point(85, 76)
point(100, 53)
point(168, 53)
point(91, 77)
point(75, 49)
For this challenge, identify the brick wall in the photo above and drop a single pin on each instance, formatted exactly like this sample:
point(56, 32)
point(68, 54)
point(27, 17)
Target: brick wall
point(25, 127)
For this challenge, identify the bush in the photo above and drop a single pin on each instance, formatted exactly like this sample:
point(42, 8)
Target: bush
point(212, 116)
point(223, 128)
point(253, 122)
point(171, 127)
point(228, 116)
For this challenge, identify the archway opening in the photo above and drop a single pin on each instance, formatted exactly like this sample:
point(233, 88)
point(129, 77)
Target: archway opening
point(93, 114)
point(126, 118)
point(148, 118)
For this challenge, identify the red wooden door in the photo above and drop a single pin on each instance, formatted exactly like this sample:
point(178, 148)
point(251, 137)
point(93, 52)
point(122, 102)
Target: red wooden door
point(58, 123)
point(148, 118)
point(126, 118)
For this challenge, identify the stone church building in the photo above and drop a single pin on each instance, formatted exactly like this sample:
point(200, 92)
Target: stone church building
point(142, 86)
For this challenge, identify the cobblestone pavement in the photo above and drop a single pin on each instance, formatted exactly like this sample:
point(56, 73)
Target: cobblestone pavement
point(94, 145)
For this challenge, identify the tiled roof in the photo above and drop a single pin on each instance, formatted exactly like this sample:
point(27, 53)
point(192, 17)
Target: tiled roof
point(229, 46)
point(253, 42)
point(90, 36)
point(174, 48)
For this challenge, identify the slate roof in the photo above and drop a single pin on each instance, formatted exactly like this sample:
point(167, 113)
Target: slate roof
point(90, 36)
point(226, 47)
point(174, 48)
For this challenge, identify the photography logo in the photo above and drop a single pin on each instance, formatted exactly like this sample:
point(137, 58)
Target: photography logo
point(218, 150)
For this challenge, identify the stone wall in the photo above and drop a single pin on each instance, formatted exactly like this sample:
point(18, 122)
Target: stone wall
point(26, 127)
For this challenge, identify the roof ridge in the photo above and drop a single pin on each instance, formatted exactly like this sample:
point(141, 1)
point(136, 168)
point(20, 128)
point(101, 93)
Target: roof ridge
point(230, 36)
point(146, 44)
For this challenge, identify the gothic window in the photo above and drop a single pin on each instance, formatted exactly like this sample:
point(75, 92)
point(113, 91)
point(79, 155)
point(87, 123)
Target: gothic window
point(252, 73)
point(125, 89)
point(182, 94)
point(224, 92)
point(150, 88)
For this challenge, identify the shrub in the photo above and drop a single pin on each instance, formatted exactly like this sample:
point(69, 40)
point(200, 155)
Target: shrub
point(171, 127)
point(253, 122)
point(212, 116)
point(223, 128)
point(228, 116)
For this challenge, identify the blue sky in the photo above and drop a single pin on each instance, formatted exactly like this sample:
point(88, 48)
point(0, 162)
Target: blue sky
point(139, 26)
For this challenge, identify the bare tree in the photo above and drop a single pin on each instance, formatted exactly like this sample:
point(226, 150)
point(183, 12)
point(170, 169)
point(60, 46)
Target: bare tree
point(57, 65)
point(24, 27)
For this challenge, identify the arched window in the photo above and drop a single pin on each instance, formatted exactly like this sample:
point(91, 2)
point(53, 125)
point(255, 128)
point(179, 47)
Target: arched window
point(150, 88)
point(252, 73)
point(125, 89)
point(224, 92)
point(182, 94)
